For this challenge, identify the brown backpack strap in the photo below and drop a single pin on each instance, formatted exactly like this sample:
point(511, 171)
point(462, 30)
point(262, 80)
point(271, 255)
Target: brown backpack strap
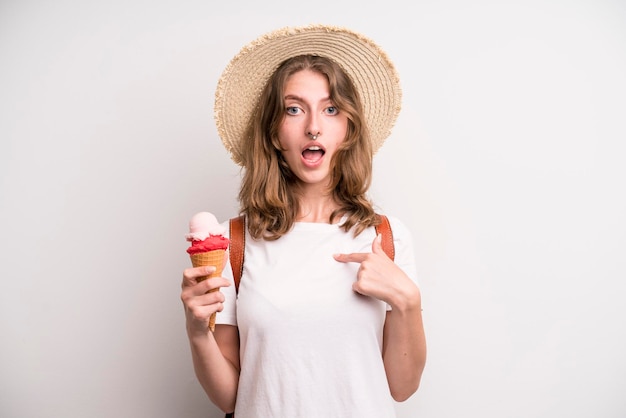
point(385, 230)
point(237, 245)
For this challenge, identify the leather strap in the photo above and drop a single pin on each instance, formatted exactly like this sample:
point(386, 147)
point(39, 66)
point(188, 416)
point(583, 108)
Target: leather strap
point(385, 230)
point(238, 243)
point(237, 236)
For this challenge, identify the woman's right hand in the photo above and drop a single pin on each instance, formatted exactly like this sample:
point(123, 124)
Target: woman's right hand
point(215, 355)
point(200, 298)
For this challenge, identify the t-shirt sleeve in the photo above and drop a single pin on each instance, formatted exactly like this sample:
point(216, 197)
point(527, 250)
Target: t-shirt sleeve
point(404, 250)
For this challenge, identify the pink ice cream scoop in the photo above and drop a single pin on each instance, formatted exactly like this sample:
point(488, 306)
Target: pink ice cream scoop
point(206, 234)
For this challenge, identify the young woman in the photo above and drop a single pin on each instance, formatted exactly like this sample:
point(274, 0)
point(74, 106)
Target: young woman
point(324, 323)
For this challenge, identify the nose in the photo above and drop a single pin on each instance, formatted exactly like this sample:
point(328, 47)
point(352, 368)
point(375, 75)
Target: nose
point(313, 128)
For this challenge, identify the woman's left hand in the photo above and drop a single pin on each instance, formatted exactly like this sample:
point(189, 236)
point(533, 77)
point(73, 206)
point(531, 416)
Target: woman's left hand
point(379, 277)
point(404, 343)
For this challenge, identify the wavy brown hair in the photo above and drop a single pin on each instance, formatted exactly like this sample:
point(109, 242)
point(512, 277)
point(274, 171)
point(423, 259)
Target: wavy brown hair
point(268, 194)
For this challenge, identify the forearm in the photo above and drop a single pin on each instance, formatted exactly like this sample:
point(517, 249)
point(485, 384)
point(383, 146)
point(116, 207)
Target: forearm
point(217, 374)
point(404, 347)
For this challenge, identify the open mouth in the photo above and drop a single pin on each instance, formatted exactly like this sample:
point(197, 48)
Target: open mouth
point(313, 153)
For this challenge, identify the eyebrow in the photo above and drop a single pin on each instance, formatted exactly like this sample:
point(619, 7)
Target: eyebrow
point(300, 99)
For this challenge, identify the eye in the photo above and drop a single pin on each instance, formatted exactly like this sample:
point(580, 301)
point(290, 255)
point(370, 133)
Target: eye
point(292, 110)
point(332, 110)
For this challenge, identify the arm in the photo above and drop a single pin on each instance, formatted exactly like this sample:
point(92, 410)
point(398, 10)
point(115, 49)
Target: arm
point(215, 355)
point(404, 343)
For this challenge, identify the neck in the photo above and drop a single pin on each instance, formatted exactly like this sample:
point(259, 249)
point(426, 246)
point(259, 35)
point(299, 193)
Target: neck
point(316, 207)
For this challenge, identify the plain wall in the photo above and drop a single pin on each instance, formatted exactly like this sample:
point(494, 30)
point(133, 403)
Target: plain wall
point(506, 163)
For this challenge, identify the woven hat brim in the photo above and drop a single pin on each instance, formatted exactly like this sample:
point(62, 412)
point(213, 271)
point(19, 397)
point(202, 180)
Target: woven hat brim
point(244, 78)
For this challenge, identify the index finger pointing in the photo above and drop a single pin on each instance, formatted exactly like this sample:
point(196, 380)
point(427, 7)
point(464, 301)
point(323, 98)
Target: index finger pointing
point(351, 258)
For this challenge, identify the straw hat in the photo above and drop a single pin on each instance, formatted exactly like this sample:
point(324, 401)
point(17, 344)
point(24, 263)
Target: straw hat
point(371, 71)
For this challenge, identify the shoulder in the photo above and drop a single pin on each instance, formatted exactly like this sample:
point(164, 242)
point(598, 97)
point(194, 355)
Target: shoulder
point(403, 243)
point(398, 228)
point(227, 225)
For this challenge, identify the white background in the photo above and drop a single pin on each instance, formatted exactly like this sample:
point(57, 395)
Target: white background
point(506, 164)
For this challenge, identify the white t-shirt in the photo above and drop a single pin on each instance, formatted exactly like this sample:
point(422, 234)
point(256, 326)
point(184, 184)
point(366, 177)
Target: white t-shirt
point(310, 345)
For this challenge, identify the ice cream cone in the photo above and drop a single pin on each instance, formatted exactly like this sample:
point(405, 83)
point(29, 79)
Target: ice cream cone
point(214, 258)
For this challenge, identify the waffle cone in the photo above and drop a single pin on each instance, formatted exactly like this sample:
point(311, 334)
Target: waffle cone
point(214, 258)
